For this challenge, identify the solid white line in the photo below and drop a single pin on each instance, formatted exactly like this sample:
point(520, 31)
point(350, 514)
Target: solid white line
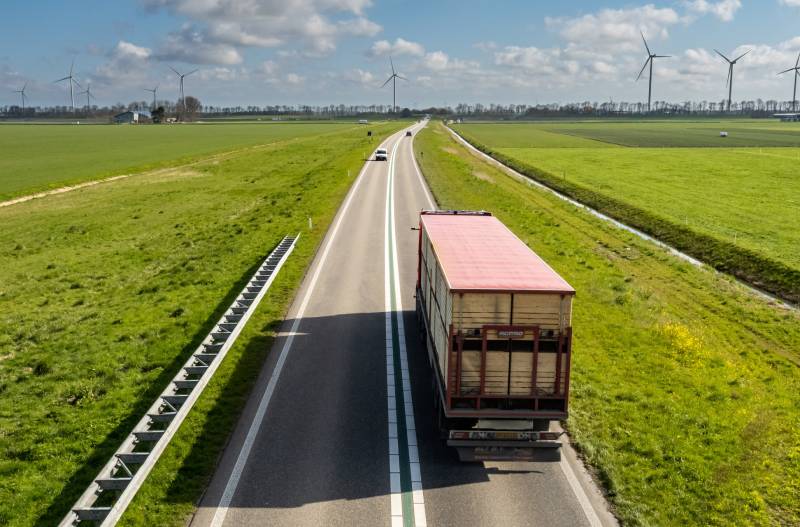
point(580, 494)
point(418, 500)
point(255, 425)
point(395, 490)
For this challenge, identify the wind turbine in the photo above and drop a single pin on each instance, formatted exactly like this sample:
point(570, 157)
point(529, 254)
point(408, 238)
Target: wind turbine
point(22, 95)
point(795, 70)
point(88, 92)
point(650, 57)
point(182, 76)
point(729, 82)
point(393, 78)
point(153, 91)
point(72, 81)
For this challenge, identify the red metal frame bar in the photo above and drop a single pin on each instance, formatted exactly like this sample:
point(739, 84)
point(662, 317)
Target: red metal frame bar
point(459, 350)
point(569, 368)
point(450, 364)
point(535, 360)
point(483, 366)
point(557, 387)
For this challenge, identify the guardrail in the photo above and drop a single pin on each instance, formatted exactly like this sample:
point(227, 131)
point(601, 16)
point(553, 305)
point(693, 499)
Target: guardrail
point(105, 500)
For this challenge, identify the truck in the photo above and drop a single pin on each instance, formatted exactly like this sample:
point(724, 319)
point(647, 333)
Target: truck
point(496, 323)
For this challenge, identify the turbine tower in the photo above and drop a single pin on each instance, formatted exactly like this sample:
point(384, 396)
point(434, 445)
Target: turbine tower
point(650, 58)
point(72, 82)
point(729, 81)
point(22, 96)
point(153, 91)
point(795, 70)
point(88, 93)
point(182, 76)
point(393, 78)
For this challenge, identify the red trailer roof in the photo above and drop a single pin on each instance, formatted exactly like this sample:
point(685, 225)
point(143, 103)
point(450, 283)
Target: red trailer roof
point(479, 253)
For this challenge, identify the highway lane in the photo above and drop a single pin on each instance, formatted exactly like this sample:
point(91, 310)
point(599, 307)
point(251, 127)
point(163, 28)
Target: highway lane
point(314, 444)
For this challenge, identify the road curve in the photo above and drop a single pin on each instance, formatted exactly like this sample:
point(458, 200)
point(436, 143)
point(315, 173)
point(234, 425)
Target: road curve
point(314, 445)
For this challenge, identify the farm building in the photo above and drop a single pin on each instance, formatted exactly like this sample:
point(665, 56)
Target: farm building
point(131, 117)
point(786, 117)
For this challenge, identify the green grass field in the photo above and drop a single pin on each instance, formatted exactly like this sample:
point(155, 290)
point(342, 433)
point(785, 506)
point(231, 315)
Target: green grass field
point(685, 390)
point(104, 292)
point(728, 206)
point(34, 158)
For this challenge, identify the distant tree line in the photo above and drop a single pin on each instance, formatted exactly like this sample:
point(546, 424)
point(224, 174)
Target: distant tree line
point(194, 110)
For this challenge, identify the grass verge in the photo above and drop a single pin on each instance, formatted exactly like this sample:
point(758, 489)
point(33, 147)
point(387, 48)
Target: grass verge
point(685, 394)
point(106, 290)
point(746, 264)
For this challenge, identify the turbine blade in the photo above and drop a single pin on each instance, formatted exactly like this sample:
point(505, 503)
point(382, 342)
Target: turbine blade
point(193, 71)
point(742, 55)
point(173, 69)
point(645, 44)
point(392, 63)
point(662, 56)
point(76, 82)
point(387, 81)
point(723, 56)
point(779, 73)
point(730, 71)
point(65, 78)
point(643, 67)
point(400, 77)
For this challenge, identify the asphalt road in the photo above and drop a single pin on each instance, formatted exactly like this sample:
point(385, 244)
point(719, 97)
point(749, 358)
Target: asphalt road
point(316, 442)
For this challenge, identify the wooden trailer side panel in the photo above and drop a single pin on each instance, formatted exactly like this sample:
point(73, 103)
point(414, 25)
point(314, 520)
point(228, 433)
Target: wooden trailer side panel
point(509, 364)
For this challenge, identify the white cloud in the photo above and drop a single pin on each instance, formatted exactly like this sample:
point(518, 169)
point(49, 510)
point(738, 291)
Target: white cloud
point(441, 61)
point(294, 79)
point(126, 63)
point(193, 45)
point(220, 27)
point(615, 30)
point(485, 46)
point(724, 9)
point(791, 3)
point(360, 76)
point(383, 48)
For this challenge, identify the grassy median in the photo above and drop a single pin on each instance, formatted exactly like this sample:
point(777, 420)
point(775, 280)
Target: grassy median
point(105, 291)
point(685, 394)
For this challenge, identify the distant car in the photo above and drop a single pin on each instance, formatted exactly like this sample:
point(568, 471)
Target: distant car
point(408, 133)
point(381, 155)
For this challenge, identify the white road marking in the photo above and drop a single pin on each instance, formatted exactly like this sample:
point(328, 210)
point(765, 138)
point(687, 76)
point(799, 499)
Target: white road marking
point(255, 425)
point(580, 494)
point(391, 272)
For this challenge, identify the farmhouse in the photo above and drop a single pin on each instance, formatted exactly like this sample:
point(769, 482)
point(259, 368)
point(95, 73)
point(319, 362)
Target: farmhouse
point(131, 117)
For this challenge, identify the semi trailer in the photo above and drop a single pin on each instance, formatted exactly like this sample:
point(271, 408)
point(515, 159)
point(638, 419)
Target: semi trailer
point(495, 320)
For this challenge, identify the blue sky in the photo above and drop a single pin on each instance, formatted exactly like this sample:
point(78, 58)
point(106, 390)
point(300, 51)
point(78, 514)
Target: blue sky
point(336, 51)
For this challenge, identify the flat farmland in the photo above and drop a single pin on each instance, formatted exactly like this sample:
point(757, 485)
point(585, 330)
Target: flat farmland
point(685, 386)
point(39, 157)
point(725, 205)
point(105, 291)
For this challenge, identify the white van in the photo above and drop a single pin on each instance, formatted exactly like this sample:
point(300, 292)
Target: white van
point(381, 155)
